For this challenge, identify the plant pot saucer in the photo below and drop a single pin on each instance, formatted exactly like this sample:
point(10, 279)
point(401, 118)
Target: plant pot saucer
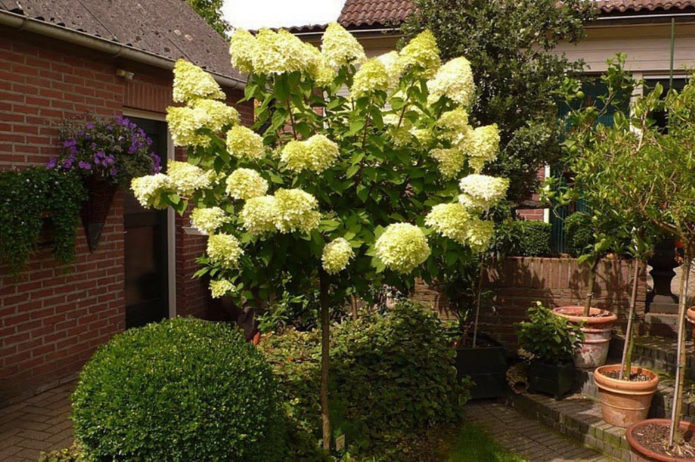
point(641, 453)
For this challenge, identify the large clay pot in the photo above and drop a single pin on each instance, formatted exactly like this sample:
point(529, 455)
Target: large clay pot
point(690, 316)
point(597, 334)
point(624, 402)
point(641, 454)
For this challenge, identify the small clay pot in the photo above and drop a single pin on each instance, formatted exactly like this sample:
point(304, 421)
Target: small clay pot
point(641, 454)
point(597, 334)
point(625, 402)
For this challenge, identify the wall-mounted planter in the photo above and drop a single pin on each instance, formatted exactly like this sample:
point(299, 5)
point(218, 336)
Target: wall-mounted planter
point(95, 210)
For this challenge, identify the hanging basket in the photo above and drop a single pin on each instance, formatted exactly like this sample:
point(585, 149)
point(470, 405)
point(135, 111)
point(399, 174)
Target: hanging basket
point(96, 208)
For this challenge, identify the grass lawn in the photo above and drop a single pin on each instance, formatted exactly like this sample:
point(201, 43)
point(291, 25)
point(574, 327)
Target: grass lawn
point(472, 444)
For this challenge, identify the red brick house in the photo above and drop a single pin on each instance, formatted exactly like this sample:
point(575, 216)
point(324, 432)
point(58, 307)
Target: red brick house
point(67, 59)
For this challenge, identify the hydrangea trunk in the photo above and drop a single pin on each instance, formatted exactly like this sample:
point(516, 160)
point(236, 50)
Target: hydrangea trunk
point(675, 435)
point(325, 352)
point(626, 362)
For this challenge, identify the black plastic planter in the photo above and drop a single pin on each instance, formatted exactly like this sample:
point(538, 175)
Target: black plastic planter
point(486, 366)
point(551, 379)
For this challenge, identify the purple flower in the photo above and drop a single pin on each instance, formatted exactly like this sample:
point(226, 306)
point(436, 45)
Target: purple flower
point(52, 163)
point(90, 126)
point(113, 171)
point(67, 163)
point(69, 143)
point(109, 127)
point(84, 165)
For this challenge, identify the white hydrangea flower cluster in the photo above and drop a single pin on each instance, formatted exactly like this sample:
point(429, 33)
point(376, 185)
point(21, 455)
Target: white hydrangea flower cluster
point(187, 178)
point(208, 220)
point(196, 87)
point(244, 143)
point(191, 83)
point(278, 52)
point(316, 154)
point(242, 47)
point(336, 255)
point(370, 77)
point(148, 188)
point(450, 161)
point(340, 48)
point(455, 127)
point(421, 51)
point(202, 113)
point(393, 67)
point(484, 145)
point(479, 234)
point(258, 215)
point(224, 249)
point(453, 80)
point(480, 192)
point(449, 220)
point(221, 287)
point(402, 247)
point(296, 210)
point(245, 183)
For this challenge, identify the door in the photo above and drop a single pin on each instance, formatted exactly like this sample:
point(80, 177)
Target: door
point(146, 242)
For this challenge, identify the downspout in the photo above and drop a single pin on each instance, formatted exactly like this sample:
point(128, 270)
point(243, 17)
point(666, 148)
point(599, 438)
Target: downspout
point(113, 50)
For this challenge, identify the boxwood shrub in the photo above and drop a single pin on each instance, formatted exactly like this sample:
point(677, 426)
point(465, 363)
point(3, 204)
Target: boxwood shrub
point(180, 390)
point(519, 238)
point(393, 377)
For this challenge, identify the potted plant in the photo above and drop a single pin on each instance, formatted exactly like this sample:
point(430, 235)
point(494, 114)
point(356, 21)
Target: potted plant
point(654, 171)
point(106, 153)
point(625, 390)
point(549, 342)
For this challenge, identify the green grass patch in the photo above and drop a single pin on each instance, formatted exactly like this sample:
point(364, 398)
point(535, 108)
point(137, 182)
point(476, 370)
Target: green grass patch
point(472, 444)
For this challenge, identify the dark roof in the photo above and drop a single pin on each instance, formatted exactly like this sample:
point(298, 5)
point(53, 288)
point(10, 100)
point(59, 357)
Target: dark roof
point(374, 14)
point(170, 29)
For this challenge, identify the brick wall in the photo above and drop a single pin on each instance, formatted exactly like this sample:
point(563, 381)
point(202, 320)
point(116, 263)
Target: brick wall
point(53, 317)
point(518, 282)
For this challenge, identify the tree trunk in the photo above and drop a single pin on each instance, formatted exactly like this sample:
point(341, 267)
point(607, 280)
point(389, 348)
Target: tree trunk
point(675, 435)
point(626, 361)
point(325, 353)
point(477, 303)
point(590, 293)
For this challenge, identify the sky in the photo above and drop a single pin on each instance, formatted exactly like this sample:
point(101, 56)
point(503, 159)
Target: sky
point(254, 14)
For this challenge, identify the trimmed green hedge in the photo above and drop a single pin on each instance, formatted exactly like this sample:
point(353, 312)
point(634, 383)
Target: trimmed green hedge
point(516, 238)
point(393, 377)
point(180, 390)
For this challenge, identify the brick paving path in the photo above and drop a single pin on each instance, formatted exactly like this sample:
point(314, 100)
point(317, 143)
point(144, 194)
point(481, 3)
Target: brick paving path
point(40, 423)
point(526, 437)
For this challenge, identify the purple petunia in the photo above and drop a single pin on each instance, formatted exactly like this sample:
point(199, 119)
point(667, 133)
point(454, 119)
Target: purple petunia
point(52, 163)
point(84, 165)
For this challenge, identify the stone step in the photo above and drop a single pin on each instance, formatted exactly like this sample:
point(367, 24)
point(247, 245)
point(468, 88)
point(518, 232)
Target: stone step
point(661, 324)
point(577, 417)
point(655, 353)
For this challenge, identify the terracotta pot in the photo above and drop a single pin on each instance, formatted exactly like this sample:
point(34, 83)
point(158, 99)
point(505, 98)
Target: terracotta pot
point(641, 454)
point(597, 334)
point(623, 402)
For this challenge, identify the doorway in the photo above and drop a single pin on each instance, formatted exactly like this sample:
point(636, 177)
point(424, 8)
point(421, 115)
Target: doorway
point(146, 244)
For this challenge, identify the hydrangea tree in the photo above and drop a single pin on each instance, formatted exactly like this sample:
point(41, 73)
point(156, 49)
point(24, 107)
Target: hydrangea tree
point(377, 187)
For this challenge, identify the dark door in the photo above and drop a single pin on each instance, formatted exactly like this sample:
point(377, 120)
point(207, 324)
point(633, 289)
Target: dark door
point(146, 281)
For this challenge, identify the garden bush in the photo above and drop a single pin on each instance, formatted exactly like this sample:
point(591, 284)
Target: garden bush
point(578, 233)
point(179, 390)
point(517, 238)
point(392, 377)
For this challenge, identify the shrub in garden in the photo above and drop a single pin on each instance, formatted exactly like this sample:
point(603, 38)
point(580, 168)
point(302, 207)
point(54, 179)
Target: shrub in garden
point(548, 337)
point(392, 378)
point(579, 234)
point(182, 389)
point(344, 191)
point(523, 238)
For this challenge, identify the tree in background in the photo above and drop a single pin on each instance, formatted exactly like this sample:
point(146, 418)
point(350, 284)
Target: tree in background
point(211, 12)
point(344, 192)
point(519, 79)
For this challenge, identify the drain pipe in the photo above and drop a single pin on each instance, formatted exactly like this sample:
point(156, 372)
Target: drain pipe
point(113, 50)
